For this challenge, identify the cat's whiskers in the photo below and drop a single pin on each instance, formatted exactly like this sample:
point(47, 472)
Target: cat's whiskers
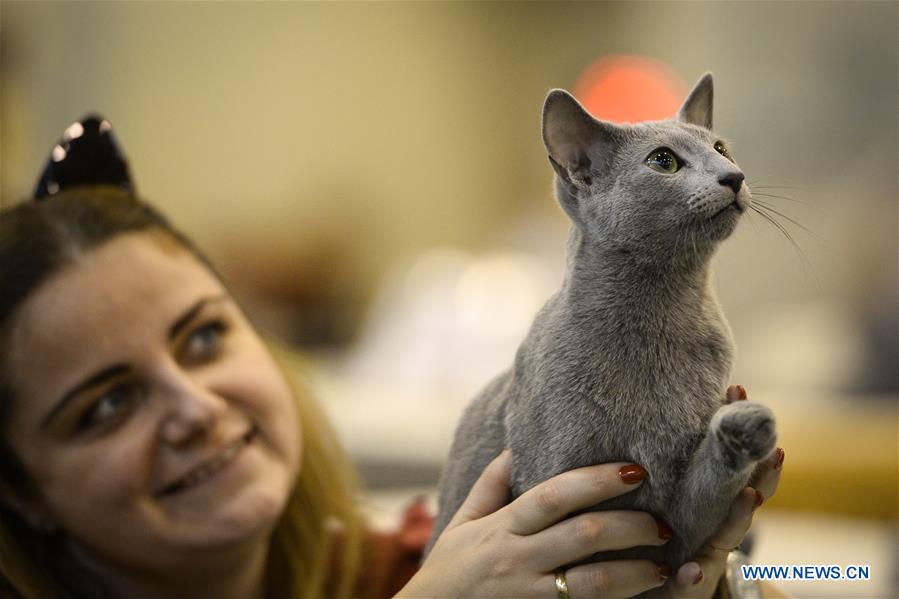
point(766, 206)
point(752, 183)
point(752, 222)
point(806, 264)
point(693, 241)
point(774, 191)
point(787, 198)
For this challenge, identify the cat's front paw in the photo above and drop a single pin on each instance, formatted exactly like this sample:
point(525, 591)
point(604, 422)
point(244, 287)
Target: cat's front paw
point(745, 430)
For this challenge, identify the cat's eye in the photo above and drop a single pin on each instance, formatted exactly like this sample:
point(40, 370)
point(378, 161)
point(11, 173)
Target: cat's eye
point(722, 149)
point(663, 160)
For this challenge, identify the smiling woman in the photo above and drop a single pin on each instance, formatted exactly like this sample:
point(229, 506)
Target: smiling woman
point(150, 436)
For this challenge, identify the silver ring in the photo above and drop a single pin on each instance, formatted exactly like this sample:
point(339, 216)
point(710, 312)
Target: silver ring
point(561, 585)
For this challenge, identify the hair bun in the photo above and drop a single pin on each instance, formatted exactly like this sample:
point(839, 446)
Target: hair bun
point(87, 154)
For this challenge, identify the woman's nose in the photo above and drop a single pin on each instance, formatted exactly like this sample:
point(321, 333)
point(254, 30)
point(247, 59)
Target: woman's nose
point(191, 409)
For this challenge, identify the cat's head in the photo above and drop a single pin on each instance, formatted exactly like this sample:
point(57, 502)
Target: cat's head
point(661, 190)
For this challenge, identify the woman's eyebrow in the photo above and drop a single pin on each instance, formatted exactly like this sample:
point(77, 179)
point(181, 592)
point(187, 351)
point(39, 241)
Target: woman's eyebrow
point(118, 369)
point(185, 319)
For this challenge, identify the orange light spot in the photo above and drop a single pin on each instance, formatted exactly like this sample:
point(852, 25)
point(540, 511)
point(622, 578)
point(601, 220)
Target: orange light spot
point(628, 89)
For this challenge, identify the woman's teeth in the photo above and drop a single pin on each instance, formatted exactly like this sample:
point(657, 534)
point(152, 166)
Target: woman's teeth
point(211, 467)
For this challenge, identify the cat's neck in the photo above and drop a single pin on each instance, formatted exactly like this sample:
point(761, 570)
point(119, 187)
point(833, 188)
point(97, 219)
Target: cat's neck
point(614, 281)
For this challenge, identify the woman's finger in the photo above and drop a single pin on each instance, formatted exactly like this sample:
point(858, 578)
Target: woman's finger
point(699, 577)
point(733, 529)
point(552, 500)
point(735, 393)
point(489, 493)
point(579, 537)
point(612, 579)
point(767, 473)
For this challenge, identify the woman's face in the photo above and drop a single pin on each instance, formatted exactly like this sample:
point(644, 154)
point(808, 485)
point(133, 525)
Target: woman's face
point(148, 412)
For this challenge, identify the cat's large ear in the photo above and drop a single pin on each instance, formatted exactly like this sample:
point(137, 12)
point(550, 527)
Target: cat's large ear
point(568, 132)
point(697, 108)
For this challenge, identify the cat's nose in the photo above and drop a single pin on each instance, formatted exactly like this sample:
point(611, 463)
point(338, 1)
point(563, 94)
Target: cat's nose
point(732, 180)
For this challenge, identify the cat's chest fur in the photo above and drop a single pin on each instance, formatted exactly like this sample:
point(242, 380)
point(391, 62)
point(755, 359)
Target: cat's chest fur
point(620, 381)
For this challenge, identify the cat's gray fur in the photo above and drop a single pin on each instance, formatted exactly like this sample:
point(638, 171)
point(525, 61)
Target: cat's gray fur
point(630, 359)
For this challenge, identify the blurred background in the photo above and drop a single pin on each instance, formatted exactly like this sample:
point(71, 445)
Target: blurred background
point(370, 178)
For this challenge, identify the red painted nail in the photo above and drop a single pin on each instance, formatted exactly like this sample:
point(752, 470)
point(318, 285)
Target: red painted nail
point(742, 392)
point(759, 499)
point(665, 570)
point(665, 531)
point(698, 578)
point(779, 461)
point(632, 474)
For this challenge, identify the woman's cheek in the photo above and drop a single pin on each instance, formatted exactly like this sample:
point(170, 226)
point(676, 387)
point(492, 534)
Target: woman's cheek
point(100, 486)
point(256, 382)
point(283, 419)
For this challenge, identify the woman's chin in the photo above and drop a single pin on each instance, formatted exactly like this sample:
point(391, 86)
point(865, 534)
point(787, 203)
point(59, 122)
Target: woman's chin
point(241, 518)
point(243, 500)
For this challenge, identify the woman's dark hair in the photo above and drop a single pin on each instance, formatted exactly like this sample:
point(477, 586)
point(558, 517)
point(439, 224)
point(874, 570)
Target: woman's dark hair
point(37, 240)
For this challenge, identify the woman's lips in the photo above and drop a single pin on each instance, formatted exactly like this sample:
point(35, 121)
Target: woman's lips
point(210, 467)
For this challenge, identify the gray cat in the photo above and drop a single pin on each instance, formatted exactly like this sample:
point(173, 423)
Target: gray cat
point(630, 359)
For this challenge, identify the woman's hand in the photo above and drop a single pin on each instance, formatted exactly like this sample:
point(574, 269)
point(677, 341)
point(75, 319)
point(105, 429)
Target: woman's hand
point(698, 578)
point(491, 549)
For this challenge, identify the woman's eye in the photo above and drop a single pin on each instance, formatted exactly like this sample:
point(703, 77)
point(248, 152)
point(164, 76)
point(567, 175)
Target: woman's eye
point(109, 406)
point(663, 160)
point(722, 149)
point(205, 341)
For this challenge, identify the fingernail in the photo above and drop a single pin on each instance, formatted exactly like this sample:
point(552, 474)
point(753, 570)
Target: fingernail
point(779, 461)
point(632, 474)
point(759, 499)
point(698, 578)
point(665, 531)
point(733, 394)
point(665, 571)
point(742, 392)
